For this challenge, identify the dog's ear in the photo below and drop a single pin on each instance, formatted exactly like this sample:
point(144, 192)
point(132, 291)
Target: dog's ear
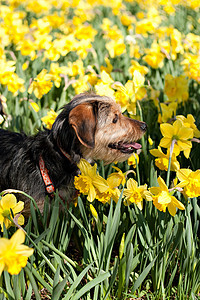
point(83, 120)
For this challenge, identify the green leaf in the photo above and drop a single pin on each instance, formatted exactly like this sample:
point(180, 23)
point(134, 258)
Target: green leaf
point(9, 289)
point(58, 288)
point(143, 275)
point(90, 285)
point(76, 283)
point(33, 283)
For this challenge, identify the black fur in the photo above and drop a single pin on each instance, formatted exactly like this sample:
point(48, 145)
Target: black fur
point(19, 157)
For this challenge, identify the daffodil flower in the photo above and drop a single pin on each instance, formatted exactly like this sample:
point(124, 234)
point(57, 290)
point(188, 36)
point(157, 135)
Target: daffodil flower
point(189, 122)
point(49, 119)
point(8, 203)
point(41, 85)
point(89, 180)
point(176, 88)
point(134, 193)
point(132, 160)
point(178, 133)
point(190, 181)
point(163, 198)
point(162, 160)
point(13, 254)
point(117, 178)
point(108, 189)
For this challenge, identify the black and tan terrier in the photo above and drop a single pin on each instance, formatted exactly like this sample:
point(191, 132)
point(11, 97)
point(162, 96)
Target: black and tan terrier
point(90, 127)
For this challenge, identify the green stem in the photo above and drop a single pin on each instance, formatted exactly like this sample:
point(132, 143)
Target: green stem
point(137, 169)
point(142, 139)
point(170, 159)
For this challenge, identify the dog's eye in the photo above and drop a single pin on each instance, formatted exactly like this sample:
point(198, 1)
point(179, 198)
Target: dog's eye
point(115, 119)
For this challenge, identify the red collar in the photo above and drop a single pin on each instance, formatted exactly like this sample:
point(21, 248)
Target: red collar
point(65, 154)
point(47, 181)
point(45, 175)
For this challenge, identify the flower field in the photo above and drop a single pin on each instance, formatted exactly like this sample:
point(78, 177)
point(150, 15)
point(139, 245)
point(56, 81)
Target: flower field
point(133, 231)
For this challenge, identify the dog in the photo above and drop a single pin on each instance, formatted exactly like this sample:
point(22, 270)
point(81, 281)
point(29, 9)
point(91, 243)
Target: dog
point(90, 127)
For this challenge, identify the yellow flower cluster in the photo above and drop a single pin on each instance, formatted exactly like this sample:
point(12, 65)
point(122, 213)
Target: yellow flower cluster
point(9, 207)
point(90, 183)
point(51, 36)
point(13, 254)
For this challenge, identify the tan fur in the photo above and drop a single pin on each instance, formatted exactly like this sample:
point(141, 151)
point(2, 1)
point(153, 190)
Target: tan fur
point(106, 132)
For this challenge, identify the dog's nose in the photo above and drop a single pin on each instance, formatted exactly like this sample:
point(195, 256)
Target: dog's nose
point(143, 126)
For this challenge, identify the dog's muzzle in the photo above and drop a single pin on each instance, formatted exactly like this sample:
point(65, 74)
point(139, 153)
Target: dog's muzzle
point(125, 147)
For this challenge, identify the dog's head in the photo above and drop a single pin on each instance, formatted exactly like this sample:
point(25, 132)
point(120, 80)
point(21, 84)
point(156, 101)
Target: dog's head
point(101, 131)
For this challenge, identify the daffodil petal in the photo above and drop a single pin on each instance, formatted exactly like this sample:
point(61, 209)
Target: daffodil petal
point(162, 184)
point(185, 133)
point(91, 194)
point(19, 207)
point(132, 184)
point(177, 126)
point(172, 209)
point(183, 174)
point(20, 220)
point(101, 184)
point(2, 265)
point(165, 142)
point(25, 250)
point(18, 237)
point(177, 203)
point(8, 201)
point(167, 130)
point(157, 152)
point(155, 190)
point(140, 205)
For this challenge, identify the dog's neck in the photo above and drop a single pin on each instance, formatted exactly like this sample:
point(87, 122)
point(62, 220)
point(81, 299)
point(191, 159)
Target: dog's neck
point(67, 155)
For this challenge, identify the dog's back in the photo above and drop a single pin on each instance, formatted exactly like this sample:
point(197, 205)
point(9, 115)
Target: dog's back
point(10, 143)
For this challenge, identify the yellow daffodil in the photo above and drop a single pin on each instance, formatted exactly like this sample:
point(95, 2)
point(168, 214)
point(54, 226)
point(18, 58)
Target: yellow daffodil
point(116, 48)
point(107, 191)
point(136, 66)
point(190, 181)
point(181, 134)
point(163, 199)
point(103, 86)
point(162, 160)
point(132, 160)
point(35, 106)
point(13, 254)
point(117, 178)
point(134, 193)
point(108, 67)
point(167, 112)
point(126, 95)
point(189, 122)
point(94, 212)
point(138, 80)
point(55, 72)
point(154, 56)
point(41, 85)
point(49, 119)
point(9, 78)
point(8, 203)
point(190, 65)
point(81, 84)
point(176, 88)
point(75, 68)
point(89, 180)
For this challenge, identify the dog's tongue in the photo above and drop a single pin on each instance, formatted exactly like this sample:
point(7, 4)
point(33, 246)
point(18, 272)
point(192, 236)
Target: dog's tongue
point(132, 145)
